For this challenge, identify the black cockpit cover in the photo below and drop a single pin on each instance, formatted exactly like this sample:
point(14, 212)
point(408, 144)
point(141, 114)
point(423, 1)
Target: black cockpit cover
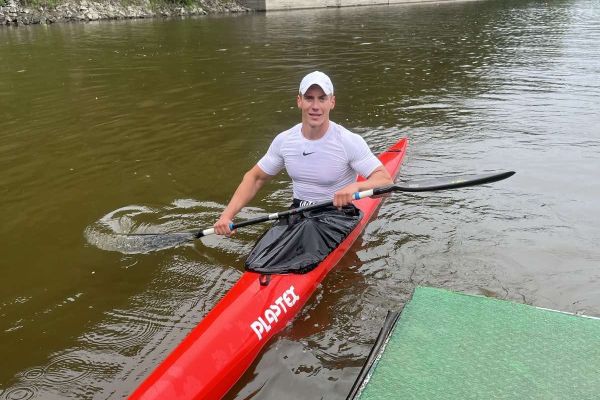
point(298, 244)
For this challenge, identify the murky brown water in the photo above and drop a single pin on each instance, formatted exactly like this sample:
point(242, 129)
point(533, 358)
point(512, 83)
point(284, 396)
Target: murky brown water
point(149, 125)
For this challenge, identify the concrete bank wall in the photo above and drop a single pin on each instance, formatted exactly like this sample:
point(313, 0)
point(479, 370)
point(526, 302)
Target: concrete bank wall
point(277, 5)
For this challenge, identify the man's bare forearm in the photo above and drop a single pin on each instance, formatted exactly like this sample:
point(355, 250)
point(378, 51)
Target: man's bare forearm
point(245, 192)
point(380, 177)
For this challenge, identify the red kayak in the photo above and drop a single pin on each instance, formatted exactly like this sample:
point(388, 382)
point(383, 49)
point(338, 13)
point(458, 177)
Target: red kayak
point(213, 357)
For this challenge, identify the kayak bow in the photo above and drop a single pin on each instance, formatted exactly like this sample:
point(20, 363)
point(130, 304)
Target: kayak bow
point(213, 357)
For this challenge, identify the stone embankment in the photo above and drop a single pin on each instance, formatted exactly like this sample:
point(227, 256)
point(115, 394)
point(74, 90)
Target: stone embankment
point(14, 13)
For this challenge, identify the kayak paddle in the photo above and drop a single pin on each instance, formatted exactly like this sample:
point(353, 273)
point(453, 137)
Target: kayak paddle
point(429, 185)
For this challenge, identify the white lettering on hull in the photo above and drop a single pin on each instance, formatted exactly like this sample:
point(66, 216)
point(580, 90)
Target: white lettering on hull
point(264, 323)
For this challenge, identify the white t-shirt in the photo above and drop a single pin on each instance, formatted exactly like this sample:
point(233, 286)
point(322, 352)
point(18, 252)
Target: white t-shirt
point(319, 168)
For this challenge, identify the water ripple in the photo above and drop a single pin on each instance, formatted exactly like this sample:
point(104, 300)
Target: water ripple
point(19, 393)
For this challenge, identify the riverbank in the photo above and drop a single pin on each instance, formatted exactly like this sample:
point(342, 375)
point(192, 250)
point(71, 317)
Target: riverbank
point(16, 13)
point(29, 12)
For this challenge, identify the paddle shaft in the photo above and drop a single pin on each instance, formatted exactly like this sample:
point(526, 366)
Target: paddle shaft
point(423, 186)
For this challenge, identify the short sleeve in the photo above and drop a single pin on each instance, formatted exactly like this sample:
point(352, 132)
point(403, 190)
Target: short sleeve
point(362, 159)
point(272, 162)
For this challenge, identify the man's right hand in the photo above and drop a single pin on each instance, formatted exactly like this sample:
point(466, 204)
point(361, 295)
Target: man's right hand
point(222, 226)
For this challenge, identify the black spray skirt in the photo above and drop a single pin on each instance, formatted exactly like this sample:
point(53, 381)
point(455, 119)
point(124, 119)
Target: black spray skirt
point(298, 244)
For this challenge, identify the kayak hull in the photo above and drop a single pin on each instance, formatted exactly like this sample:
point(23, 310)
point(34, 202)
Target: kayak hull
point(212, 358)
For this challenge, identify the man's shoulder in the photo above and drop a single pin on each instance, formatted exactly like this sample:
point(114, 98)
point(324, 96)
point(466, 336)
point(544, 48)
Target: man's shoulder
point(293, 130)
point(288, 134)
point(339, 129)
point(347, 137)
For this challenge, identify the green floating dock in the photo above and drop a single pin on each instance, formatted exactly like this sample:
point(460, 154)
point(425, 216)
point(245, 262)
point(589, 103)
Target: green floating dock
point(449, 345)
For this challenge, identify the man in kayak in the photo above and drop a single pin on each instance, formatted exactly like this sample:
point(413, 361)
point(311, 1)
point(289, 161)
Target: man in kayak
point(321, 157)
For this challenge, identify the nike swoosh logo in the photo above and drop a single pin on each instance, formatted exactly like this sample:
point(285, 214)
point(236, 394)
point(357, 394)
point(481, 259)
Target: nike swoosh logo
point(305, 153)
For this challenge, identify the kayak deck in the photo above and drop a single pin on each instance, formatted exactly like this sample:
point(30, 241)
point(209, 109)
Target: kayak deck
point(212, 358)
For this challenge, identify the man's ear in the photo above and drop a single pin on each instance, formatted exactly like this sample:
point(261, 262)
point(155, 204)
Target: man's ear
point(299, 101)
point(332, 102)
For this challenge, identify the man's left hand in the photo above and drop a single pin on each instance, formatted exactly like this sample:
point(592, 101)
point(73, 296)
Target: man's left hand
point(343, 197)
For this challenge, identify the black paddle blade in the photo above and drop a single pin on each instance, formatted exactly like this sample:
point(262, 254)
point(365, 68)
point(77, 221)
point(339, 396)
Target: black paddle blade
point(144, 243)
point(138, 243)
point(453, 182)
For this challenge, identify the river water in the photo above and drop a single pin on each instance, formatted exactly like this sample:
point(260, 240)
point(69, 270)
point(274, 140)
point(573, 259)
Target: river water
point(146, 126)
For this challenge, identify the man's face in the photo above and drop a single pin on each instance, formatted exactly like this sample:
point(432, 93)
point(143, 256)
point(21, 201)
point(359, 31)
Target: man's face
point(315, 106)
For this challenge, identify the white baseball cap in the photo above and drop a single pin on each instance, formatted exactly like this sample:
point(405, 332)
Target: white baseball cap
point(316, 78)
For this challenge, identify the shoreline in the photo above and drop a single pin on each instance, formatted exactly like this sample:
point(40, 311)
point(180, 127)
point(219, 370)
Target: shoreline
point(13, 13)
